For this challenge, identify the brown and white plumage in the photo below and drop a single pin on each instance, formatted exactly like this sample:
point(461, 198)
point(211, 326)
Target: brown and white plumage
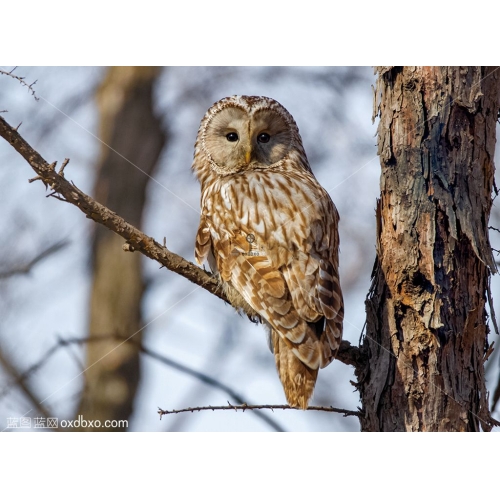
point(270, 231)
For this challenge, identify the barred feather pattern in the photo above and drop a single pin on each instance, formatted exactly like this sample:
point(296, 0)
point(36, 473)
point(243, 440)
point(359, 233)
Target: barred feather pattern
point(270, 232)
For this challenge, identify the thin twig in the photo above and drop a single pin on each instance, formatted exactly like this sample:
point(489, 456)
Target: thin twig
point(22, 383)
point(243, 407)
point(22, 377)
point(26, 268)
point(63, 166)
point(21, 79)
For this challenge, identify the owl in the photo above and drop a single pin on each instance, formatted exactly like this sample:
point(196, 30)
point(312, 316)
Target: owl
point(270, 234)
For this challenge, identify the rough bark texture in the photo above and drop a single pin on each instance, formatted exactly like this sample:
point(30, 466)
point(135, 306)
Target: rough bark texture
point(129, 126)
point(426, 320)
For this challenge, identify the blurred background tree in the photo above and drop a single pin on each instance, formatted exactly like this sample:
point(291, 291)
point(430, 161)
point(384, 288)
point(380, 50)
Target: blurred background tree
point(131, 134)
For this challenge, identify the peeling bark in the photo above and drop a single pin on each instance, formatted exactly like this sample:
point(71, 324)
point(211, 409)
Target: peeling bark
point(427, 325)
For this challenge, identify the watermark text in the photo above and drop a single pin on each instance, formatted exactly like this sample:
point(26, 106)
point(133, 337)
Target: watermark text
point(56, 423)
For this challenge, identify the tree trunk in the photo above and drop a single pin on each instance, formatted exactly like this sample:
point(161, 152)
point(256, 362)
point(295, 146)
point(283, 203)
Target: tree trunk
point(426, 334)
point(132, 137)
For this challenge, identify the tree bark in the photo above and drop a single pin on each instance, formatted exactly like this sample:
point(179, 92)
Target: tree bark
point(426, 334)
point(135, 136)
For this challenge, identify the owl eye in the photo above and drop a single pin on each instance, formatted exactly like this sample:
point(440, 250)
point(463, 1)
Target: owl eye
point(263, 137)
point(232, 137)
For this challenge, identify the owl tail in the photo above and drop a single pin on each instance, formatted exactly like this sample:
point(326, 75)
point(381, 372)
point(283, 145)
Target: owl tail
point(297, 378)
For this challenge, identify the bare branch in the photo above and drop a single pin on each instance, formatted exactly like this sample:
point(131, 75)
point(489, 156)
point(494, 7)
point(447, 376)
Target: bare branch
point(243, 407)
point(20, 380)
point(99, 213)
point(21, 79)
point(352, 355)
point(26, 268)
point(63, 166)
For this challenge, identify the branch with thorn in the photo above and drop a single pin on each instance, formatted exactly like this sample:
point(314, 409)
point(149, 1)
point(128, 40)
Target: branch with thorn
point(244, 407)
point(21, 79)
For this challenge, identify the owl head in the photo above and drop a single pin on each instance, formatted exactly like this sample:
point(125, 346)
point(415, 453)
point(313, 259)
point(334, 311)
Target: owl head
point(246, 133)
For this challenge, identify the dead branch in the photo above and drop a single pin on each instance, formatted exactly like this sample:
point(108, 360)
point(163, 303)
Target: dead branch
point(99, 213)
point(135, 239)
point(26, 268)
point(22, 383)
point(21, 378)
point(244, 407)
point(21, 79)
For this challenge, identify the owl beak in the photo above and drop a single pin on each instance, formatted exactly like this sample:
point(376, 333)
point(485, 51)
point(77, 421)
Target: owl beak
point(248, 155)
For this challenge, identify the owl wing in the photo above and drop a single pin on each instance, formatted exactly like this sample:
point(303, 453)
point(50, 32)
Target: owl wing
point(288, 273)
point(313, 279)
point(203, 241)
